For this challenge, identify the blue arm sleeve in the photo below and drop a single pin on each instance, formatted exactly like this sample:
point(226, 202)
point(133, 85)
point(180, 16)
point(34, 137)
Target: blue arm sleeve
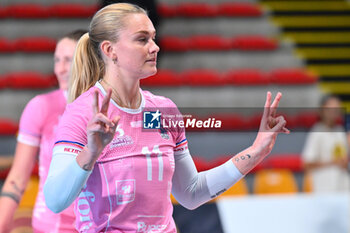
point(64, 182)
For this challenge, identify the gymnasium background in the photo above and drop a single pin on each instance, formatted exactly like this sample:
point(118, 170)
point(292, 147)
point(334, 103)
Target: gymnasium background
point(214, 54)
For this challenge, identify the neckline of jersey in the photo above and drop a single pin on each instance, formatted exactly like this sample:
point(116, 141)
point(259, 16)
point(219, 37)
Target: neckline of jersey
point(127, 110)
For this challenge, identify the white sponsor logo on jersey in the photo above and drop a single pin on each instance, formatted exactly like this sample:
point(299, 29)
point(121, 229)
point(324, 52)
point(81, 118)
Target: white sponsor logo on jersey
point(148, 228)
point(121, 139)
point(125, 191)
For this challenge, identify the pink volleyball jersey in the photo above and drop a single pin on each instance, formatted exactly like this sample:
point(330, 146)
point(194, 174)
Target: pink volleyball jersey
point(37, 128)
point(129, 187)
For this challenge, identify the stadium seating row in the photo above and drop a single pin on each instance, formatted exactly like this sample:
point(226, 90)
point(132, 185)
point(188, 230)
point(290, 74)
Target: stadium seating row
point(203, 77)
point(168, 78)
point(167, 43)
point(214, 42)
point(74, 10)
point(27, 80)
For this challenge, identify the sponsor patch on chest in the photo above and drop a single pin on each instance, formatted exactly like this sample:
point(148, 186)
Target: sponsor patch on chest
point(121, 141)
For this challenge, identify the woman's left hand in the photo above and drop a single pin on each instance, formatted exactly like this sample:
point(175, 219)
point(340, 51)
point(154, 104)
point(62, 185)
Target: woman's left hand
point(270, 126)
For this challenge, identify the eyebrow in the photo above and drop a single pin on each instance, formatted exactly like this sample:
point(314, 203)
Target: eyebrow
point(145, 32)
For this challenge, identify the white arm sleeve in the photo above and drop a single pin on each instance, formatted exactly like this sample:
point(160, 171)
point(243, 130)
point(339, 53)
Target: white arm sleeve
point(192, 189)
point(64, 182)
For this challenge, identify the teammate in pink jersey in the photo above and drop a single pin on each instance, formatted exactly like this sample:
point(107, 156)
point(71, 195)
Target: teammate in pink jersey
point(119, 174)
point(36, 134)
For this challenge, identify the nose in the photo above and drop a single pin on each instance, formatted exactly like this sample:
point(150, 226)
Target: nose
point(154, 47)
point(61, 67)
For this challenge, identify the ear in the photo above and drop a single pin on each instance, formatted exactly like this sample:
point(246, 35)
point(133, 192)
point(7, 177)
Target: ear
point(107, 49)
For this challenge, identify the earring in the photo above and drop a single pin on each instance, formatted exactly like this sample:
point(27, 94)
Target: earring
point(115, 60)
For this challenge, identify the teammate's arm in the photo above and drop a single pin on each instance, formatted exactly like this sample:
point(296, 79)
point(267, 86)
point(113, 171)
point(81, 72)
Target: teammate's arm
point(16, 182)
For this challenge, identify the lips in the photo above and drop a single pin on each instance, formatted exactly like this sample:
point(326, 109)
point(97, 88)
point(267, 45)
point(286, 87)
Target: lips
point(152, 60)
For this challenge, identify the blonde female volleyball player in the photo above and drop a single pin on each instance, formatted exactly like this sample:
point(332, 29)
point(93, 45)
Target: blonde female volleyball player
point(119, 174)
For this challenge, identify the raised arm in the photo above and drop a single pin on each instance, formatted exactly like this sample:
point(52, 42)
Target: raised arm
point(69, 171)
point(100, 132)
point(192, 189)
point(270, 126)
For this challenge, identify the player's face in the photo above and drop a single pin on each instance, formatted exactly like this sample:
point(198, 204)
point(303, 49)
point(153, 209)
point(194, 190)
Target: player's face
point(136, 49)
point(63, 58)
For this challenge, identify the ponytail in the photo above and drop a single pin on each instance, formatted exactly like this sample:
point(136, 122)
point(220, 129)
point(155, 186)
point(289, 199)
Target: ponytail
point(87, 67)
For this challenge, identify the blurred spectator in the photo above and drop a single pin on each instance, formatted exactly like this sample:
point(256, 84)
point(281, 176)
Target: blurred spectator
point(325, 153)
point(347, 126)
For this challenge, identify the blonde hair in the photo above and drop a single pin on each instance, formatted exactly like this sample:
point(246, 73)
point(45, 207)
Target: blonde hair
point(88, 66)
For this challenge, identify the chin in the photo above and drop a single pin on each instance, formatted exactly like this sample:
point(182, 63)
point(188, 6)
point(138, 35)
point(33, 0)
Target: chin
point(63, 85)
point(149, 73)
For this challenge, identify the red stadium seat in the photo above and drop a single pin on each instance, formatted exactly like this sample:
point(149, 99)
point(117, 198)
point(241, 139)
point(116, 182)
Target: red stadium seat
point(28, 80)
point(246, 77)
point(8, 127)
point(197, 10)
point(241, 9)
point(209, 42)
point(202, 77)
point(166, 11)
point(254, 121)
point(71, 10)
point(6, 46)
point(35, 44)
point(3, 81)
point(291, 162)
point(219, 160)
point(52, 79)
point(3, 12)
point(27, 10)
point(172, 43)
point(293, 76)
point(201, 164)
point(254, 43)
point(290, 119)
point(307, 119)
point(4, 172)
point(163, 78)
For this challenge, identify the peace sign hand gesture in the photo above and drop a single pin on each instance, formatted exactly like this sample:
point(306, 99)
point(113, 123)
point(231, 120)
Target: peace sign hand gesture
point(100, 132)
point(270, 126)
point(100, 129)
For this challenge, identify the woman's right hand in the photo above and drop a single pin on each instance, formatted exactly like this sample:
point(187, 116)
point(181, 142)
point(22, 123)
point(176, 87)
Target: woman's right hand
point(100, 129)
point(100, 132)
